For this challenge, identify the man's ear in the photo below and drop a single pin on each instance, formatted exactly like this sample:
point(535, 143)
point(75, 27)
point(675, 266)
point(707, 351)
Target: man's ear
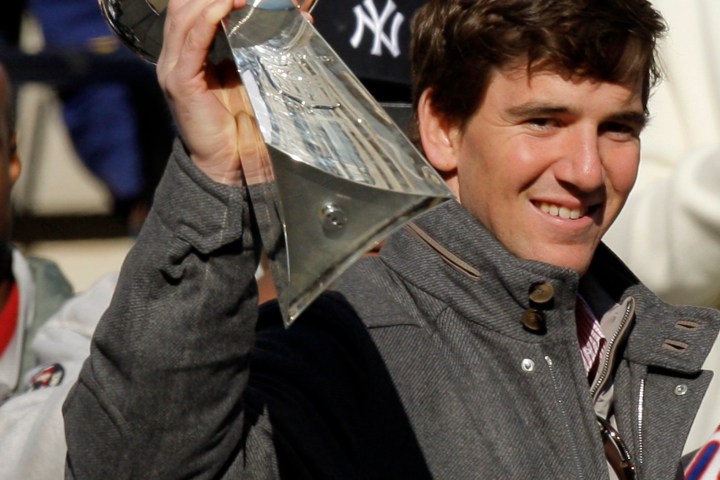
point(439, 138)
point(14, 165)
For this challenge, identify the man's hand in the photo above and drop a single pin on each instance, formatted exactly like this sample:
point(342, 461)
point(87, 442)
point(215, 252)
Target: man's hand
point(210, 106)
point(206, 100)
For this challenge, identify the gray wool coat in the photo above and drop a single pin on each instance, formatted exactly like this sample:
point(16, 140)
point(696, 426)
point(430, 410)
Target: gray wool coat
point(415, 364)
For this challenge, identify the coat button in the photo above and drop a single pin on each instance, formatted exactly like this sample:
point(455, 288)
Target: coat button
point(541, 296)
point(534, 321)
point(528, 365)
point(681, 390)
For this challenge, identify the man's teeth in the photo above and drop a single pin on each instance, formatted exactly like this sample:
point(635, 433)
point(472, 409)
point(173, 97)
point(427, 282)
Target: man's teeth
point(562, 212)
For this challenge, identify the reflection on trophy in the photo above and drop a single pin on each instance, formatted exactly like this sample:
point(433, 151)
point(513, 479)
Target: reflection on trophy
point(340, 174)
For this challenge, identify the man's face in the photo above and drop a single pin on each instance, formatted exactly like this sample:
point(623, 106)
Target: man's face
point(9, 160)
point(546, 163)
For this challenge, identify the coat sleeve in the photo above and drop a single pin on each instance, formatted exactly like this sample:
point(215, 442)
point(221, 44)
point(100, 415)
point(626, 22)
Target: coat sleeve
point(159, 396)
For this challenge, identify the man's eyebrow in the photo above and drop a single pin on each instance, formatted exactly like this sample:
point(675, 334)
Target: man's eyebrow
point(529, 110)
point(534, 109)
point(635, 118)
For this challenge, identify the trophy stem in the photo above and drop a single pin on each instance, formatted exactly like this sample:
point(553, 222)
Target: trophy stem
point(340, 175)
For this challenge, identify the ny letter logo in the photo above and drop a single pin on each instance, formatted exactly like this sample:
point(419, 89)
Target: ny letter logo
point(374, 22)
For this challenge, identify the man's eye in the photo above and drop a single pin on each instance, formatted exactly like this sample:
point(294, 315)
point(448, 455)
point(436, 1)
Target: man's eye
point(621, 129)
point(541, 122)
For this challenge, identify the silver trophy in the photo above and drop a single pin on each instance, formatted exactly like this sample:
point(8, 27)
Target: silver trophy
point(340, 175)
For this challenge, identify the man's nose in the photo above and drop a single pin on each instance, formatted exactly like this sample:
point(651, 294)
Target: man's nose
point(582, 164)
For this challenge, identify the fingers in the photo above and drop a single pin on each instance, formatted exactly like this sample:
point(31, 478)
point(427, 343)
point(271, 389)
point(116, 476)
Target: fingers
point(189, 31)
point(191, 25)
point(212, 112)
point(252, 150)
point(308, 5)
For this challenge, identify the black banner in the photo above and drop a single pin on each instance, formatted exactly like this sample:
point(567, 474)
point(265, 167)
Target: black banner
point(373, 38)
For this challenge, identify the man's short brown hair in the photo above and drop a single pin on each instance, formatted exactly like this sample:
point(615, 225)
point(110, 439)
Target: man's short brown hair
point(457, 43)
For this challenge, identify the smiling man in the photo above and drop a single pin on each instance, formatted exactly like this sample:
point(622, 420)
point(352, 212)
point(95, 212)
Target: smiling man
point(545, 163)
point(494, 337)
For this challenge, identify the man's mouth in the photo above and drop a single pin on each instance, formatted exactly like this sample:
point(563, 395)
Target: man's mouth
point(563, 212)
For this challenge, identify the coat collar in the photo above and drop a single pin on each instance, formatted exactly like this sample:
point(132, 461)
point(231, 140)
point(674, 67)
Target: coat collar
point(448, 254)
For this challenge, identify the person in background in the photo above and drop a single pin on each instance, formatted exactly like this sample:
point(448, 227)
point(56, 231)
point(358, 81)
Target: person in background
point(705, 463)
point(30, 289)
point(32, 434)
point(120, 127)
point(493, 337)
point(669, 231)
point(44, 335)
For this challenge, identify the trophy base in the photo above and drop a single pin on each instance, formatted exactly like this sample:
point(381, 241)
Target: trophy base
point(320, 224)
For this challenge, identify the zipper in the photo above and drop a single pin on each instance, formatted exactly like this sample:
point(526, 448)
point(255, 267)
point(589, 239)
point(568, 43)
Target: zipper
point(563, 411)
point(641, 401)
point(611, 343)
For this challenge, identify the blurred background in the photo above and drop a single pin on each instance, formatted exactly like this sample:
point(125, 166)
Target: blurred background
point(63, 211)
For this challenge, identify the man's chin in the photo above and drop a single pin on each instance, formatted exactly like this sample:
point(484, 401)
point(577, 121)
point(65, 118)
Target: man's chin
point(579, 261)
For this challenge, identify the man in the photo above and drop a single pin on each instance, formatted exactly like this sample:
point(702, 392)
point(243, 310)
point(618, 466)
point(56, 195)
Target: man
point(44, 337)
point(30, 290)
point(495, 337)
point(32, 438)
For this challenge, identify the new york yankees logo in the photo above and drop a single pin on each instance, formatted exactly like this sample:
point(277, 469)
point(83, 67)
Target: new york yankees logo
point(370, 18)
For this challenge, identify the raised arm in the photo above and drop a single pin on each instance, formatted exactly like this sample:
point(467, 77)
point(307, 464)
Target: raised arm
point(159, 395)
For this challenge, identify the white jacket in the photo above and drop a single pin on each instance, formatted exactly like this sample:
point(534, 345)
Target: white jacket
point(32, 435)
